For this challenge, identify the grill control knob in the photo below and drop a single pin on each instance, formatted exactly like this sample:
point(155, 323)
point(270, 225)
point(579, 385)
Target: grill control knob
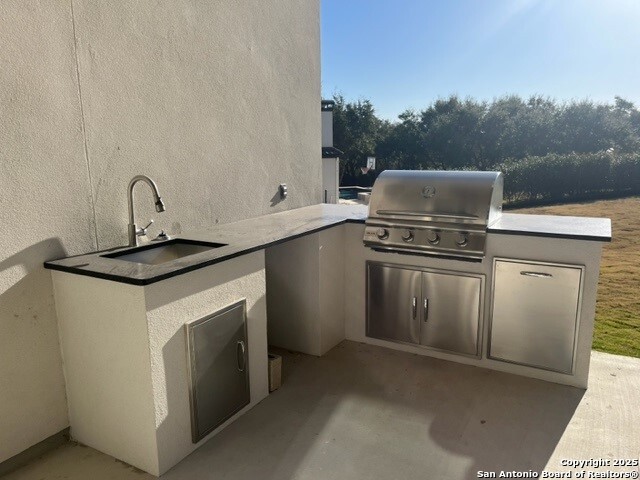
point(382, 233)
point(463, 240)
point(407, 235)
point(433, 238)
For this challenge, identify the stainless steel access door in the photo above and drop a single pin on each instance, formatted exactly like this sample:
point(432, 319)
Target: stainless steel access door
point(535, 314)
point(219, 369)
point(393, 303)
point(450, 312)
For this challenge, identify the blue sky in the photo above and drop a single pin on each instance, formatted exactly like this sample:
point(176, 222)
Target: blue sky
point(406, 53)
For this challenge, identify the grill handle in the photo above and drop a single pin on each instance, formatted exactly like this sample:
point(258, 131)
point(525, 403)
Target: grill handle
point(411, 213)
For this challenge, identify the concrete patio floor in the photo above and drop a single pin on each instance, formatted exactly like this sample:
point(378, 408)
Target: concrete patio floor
point(365, 412)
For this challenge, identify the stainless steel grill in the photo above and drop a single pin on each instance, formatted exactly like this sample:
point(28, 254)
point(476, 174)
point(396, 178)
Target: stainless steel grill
point(433, 212)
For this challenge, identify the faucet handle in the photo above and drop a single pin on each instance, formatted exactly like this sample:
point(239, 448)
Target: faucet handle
point(143, 230)
point(162, 236)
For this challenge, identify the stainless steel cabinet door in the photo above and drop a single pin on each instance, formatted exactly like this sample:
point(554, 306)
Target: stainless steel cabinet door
point(393, 303)
point(450, 312)
point(219, 370)
point(535, 314)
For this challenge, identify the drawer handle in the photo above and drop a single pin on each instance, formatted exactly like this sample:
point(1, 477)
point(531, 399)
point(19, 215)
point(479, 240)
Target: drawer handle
point(242, 356)
point(536, 274)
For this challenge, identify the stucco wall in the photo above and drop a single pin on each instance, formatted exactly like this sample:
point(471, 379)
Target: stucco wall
point(216, 101)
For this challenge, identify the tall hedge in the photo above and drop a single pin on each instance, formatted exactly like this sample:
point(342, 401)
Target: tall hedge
point(556, 177)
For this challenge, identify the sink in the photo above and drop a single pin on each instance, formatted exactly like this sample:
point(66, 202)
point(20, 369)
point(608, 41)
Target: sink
point(156, 254)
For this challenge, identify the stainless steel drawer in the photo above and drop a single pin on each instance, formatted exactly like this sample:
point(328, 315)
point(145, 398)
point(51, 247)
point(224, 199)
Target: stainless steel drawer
point(535, 314)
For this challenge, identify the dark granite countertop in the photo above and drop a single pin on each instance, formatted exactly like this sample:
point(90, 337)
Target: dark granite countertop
point(257, 233)
point(240, 238)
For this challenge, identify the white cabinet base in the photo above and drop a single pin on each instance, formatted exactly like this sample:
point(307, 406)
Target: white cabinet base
point(125, 360)
point(305, 292)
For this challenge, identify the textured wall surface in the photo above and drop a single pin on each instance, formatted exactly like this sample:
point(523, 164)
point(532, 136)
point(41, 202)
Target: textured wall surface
point(105, 350)
point(216, 101)
point(45, 212)
point(327, 128)
point(305, 295)
point(292, 297)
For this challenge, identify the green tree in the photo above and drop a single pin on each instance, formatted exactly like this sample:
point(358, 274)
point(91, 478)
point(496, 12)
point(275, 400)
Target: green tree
point(402, 144)
point(453, 133)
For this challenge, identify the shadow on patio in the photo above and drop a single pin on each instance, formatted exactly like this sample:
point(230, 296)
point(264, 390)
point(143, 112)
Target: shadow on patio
point(363, 411)
point(368, 412)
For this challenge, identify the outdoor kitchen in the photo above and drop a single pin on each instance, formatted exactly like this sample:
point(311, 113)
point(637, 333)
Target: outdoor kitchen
point(433, 267)
point(217, 265)
point(166, 344)
point(437, 269)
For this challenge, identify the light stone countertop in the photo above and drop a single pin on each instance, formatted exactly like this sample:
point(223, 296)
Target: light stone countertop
point(574, 228)
point(253, 234)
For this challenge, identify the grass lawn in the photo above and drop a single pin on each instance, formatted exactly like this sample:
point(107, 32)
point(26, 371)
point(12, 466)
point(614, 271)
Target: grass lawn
point(617, 328)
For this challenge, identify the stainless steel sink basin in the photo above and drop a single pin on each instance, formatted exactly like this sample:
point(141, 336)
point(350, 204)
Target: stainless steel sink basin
point(156, 254)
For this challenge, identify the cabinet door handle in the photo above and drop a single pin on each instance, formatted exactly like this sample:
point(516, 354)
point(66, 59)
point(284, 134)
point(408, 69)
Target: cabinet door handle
point(414, 306)
point(536, 274)
point(241, 352)
point(426, 309)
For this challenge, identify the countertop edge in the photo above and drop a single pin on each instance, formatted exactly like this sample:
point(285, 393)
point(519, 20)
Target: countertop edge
point(143, 281)
point(597, 229)
point(566, 236)
point(51, 265)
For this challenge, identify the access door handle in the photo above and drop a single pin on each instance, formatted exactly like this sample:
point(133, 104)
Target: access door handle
point(414, 306)
point(536, 274)
point(426, 309)
point(241, 353)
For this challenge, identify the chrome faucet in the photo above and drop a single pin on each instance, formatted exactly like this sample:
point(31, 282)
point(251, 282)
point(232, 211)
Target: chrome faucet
point(134, 230)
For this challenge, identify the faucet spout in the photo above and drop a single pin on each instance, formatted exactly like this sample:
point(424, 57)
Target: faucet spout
point(160, 205)
point(133, 230)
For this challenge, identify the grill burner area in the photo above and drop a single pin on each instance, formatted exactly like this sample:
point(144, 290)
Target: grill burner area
point(433, 212)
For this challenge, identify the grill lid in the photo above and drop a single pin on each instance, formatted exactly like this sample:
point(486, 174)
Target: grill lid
point(433, 212)
point(418, 196)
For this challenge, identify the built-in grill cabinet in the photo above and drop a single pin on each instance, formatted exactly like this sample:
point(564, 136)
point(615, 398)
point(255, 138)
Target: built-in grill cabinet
point(535, 315)
point(432, 308)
